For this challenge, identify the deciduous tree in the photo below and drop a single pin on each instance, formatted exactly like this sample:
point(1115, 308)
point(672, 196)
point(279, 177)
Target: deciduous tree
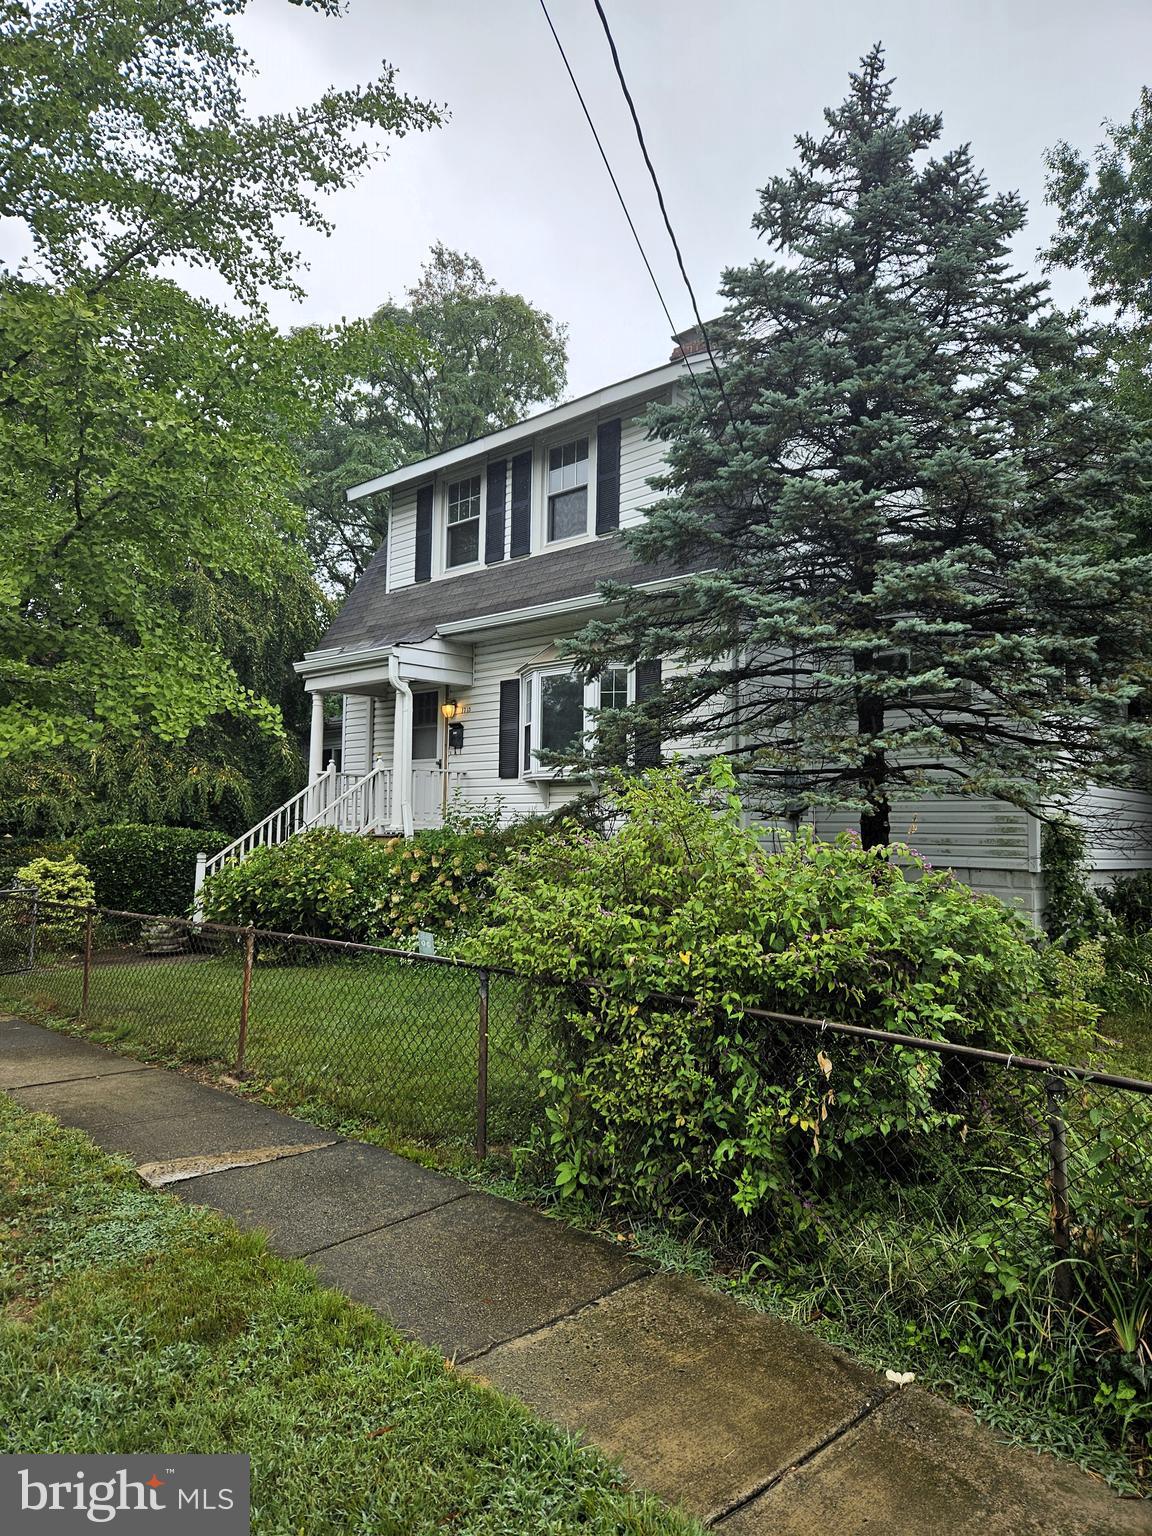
point(146, 435)
point(460, 358)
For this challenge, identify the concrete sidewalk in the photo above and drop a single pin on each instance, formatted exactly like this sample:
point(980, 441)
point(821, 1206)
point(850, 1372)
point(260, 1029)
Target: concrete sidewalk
point(753, 1425)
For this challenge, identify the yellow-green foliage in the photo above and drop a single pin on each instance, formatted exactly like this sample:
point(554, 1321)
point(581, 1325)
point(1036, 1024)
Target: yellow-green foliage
point(63, 880)
point(336, 885)
point(653, 1097)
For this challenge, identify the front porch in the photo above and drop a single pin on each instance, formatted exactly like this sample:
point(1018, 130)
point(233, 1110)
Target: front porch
point(401, 780)
point(400, 705)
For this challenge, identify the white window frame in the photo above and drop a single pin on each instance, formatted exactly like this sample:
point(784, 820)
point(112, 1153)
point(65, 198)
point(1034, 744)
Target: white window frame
point(531, 690)
point(445, 525)
point(542, 520)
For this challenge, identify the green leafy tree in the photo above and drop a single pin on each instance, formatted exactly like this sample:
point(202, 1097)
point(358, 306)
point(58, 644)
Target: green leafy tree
point(145, 436)
point(1105, 213)
point(906, 498)
point(459, 359)
point(126, 142)
point(228, 772)
point(1105, 233)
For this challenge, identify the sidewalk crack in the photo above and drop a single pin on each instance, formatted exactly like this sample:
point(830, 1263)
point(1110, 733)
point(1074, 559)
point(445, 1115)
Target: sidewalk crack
point(871, 1403)
point(561, 1317)
point(84, 1077)
point(397, 1221)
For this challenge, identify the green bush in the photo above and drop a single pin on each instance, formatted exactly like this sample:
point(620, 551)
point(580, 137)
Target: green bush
point(1129, 899)
point(1072, 907)
point(145, 868)
point(332, 884)
point(63, 880)
point(651, 1102)
point(17, 851)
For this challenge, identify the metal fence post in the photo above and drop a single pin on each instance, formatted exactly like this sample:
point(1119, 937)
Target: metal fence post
point(482, 1068)
point(84, 985)
point(1056, 1091)
point(245, 996)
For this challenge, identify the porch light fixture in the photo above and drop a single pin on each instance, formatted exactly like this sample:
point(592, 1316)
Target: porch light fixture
point(453, 709)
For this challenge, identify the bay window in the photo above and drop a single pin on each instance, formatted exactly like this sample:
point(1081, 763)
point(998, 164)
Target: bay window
point(558, 710)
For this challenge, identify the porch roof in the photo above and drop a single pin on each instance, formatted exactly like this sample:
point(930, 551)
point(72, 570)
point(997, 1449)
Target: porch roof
point(372, 616)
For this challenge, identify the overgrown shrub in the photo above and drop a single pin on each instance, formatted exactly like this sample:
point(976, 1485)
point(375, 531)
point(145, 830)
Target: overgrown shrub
point(1072, 907)
point(654, 1100)
point(59, 880)
point(332, 884)
point(1129, 900)
point(146, 868)
point(17, 851)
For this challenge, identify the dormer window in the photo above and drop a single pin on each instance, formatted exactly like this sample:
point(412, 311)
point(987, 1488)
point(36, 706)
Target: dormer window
point(568, 490)
point(463, 523)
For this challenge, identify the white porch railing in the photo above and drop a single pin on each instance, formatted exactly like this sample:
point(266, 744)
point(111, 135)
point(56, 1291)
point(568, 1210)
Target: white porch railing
point(353, 802)
point(361, 804)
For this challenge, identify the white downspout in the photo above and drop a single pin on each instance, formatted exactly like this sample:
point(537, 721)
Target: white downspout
point(401, 747)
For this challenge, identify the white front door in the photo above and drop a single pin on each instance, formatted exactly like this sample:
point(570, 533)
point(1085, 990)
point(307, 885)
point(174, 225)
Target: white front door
point(427, 761)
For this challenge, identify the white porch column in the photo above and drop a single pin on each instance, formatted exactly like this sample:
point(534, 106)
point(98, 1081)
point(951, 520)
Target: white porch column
point(316, 739)
point(315, 755)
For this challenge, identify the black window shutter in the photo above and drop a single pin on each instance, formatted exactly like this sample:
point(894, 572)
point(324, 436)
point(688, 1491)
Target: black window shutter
point(510, 729)
point(494, 516)
point(648, 683)
point(522, 504)
point(608, 476)
point(424, 533)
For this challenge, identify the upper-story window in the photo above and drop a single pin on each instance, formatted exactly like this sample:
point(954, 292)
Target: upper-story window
point(568, 490)
point(463, 523)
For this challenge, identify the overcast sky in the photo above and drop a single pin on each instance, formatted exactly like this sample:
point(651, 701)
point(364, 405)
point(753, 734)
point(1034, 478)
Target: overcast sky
point(722, 87)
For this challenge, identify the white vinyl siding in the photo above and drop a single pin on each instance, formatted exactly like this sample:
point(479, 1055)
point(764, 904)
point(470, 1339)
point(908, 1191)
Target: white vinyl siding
point(355, 739)
point(640, 458)
point(402, 541)
point(475, 769)
point(1119, 827)
point(986, 834)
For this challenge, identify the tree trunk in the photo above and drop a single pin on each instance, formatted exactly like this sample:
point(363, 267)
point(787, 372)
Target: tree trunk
point(875, 819)
point(875, 822)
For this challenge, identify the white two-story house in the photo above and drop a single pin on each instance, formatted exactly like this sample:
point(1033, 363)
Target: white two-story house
point(446, 657)
point(445, 653)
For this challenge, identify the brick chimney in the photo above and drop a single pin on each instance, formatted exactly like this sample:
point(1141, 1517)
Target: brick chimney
point(689, 343)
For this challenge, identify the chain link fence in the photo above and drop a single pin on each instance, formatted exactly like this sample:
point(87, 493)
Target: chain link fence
point(1000, 1206)
point(429, 1048)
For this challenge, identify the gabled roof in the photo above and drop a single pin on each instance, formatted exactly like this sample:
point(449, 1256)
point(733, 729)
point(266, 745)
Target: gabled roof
point(635, 388)
point(371, 616)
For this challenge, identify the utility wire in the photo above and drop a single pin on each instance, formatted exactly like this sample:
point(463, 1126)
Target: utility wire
point(703, 329)
point(608, 168)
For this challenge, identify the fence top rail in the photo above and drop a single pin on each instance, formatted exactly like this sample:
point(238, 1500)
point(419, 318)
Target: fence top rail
point(1010, 1059)
point(885, 1037)
point(242, 929)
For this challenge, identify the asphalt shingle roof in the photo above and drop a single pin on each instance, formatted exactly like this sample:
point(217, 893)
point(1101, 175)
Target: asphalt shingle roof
point(371, 616)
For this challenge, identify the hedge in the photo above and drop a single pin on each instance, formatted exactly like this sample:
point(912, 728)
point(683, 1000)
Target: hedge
point(147, 869)
point(15, 852)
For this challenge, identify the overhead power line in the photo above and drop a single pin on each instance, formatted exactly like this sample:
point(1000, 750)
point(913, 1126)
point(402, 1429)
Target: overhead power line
point(608, 168)
point(703, 329)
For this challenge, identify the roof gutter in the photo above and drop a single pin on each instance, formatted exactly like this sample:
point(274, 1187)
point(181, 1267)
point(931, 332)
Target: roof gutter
point(638, 386)
point(555, 609)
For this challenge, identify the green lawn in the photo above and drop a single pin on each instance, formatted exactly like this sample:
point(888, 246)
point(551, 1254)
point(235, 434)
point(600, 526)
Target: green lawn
point(387, 1041)
point(131, 1322)
point(1132, 1033)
